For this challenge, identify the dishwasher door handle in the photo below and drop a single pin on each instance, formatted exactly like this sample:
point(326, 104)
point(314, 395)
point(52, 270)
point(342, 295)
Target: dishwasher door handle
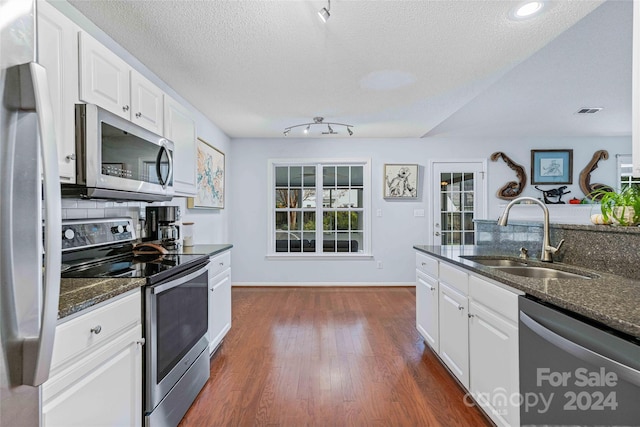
point(629, 374)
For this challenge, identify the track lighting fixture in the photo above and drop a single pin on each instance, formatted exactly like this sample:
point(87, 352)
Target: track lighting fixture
point(324, 12)
point(319, 121)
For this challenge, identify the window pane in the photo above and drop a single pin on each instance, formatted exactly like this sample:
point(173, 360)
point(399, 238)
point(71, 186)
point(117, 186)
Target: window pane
point(342, 220)
point(340, 198)
point(295, 242)
point(309, 221)
point(343, 175)
point(326, 198)
point(468, 201)
point(468, 238)
point(282, 176)
point(357, 175)
point(295, 220)
point(356, 221)
point(468, 182)
point(328, 242)
point(281, 222)
point(468, 221)
point(329, 221)
point(309, 198)
point(456, 238)
point(356, 198)
point(357, 242)
point(309, 176)
point(329, 176)
point(295, 194)
point(342, 243)
point(295, 176)
point(282, 195)
point(309, 242)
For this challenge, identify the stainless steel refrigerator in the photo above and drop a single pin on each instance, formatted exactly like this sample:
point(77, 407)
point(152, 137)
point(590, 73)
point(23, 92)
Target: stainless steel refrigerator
point(30, 219)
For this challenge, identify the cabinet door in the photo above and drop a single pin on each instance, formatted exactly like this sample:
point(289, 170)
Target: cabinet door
point(147, 103)
point(427, 309)
point(58, 53)
point(105, 389)
point(493, 348)
point(454, 332)
point(181, 129)
point(104, 77)
point(219, 308)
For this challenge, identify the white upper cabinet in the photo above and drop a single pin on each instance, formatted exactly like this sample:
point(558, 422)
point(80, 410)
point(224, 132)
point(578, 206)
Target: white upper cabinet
point(104, 77)
point(108, 81)
point(58, 53)
point(147, 103)
point(180, 128)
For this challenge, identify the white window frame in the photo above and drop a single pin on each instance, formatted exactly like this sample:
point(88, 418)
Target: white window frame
point(364, 253)
point(625, 171)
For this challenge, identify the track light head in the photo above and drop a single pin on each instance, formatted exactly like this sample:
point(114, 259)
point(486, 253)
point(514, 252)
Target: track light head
point(350, 131)
point(324, 12)
point(286, 132)
point(319, 121)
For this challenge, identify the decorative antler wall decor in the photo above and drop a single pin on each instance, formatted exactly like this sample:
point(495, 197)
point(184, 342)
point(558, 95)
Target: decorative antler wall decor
point(511, 189)
point(585, 177)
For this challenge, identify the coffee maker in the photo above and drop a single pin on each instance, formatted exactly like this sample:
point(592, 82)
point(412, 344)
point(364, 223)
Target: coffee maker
point(162, 225)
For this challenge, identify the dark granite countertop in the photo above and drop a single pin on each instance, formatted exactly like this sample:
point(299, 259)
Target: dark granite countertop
point(79, 294)
point(609, 299)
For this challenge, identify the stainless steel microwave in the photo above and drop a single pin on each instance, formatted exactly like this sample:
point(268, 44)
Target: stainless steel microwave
point(117, 159)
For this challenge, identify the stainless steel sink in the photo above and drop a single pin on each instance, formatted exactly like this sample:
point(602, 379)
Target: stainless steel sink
point(498, 262)
point(540, 272)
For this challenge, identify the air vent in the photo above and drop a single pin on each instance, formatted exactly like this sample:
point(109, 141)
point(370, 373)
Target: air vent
point(588, 110)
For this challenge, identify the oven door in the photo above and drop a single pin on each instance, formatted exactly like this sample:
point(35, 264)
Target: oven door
point(176, 317)
point(119, 159)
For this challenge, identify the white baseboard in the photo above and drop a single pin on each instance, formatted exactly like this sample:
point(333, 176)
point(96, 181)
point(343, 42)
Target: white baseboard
point(324, 284)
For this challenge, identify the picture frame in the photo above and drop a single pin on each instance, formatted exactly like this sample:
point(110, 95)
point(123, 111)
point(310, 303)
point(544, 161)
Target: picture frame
point(400, 181)
point(210, 177)
point(551, 166)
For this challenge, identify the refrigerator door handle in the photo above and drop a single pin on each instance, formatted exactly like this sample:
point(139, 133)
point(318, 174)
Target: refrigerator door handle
point(38, 350)
point(623, 371)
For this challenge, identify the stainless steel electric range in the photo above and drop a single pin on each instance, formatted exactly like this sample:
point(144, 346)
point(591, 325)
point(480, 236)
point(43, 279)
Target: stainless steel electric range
point(175, 308)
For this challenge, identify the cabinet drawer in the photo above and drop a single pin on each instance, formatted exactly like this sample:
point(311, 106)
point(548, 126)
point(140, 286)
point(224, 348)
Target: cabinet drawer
point(76, 336)
point(454, 277)
point(427, 265)
point(494, 297)
point(219, 263)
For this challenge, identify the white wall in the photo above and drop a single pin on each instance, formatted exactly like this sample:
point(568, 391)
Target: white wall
point(393, 234)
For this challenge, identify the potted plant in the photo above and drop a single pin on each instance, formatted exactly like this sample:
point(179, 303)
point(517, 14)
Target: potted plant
point(621, 207)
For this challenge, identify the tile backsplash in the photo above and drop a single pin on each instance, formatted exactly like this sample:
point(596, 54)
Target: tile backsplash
point(79, 209)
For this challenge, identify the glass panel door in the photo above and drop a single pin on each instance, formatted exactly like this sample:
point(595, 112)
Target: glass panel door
point(458, 199)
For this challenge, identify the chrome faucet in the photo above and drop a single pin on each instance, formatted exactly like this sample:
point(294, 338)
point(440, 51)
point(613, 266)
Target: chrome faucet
point(547, 249)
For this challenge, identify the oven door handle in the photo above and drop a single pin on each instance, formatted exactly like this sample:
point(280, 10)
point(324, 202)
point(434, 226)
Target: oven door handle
point(180, 279)
point(582, 353)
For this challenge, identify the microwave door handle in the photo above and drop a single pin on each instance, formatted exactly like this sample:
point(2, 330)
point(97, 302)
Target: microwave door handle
point(164, 181)
point(582, 353)
point(38, 350)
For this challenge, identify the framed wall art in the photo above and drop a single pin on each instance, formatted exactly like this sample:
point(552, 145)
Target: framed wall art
point(400, 181)
point(551, 166)
point(209, 177)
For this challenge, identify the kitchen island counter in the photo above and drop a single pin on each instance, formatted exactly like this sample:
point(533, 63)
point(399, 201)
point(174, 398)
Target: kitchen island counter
point(210, 250)
point(606, 298)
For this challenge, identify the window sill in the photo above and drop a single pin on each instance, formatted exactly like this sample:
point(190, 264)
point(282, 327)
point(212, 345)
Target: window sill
point(324, 257)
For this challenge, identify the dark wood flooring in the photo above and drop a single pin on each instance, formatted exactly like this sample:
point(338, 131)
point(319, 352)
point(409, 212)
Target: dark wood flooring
point(327, 357)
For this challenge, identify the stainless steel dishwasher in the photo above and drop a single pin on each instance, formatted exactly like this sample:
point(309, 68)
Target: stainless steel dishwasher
point(574, 372)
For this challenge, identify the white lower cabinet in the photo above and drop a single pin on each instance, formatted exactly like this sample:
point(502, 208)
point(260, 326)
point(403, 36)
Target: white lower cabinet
point(97, 380)
point(427, 309)
point(219, 299)
point(454, 332)
point(472, 324)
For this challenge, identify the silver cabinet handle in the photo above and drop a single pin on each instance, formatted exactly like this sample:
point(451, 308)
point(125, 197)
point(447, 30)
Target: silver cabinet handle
point(461, 307)
point(423, 264)
point(437, 233)
point(471, 315)
point(125, 108)
point(141, 342)
point(70, 157)
point(138, 115)
point(221, 264)
point(96, 329)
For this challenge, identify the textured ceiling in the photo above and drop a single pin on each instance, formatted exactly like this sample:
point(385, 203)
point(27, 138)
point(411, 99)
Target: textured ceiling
point(390, 68)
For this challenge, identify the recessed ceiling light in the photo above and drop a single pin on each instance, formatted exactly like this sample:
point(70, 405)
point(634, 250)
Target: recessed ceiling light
point(527, 10)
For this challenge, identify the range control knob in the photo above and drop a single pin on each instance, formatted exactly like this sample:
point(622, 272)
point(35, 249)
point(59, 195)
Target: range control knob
point(117, 230)
point(127, 228)
point(69, 234)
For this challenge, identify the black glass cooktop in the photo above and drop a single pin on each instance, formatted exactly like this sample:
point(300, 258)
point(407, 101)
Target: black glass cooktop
point(154, 267)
